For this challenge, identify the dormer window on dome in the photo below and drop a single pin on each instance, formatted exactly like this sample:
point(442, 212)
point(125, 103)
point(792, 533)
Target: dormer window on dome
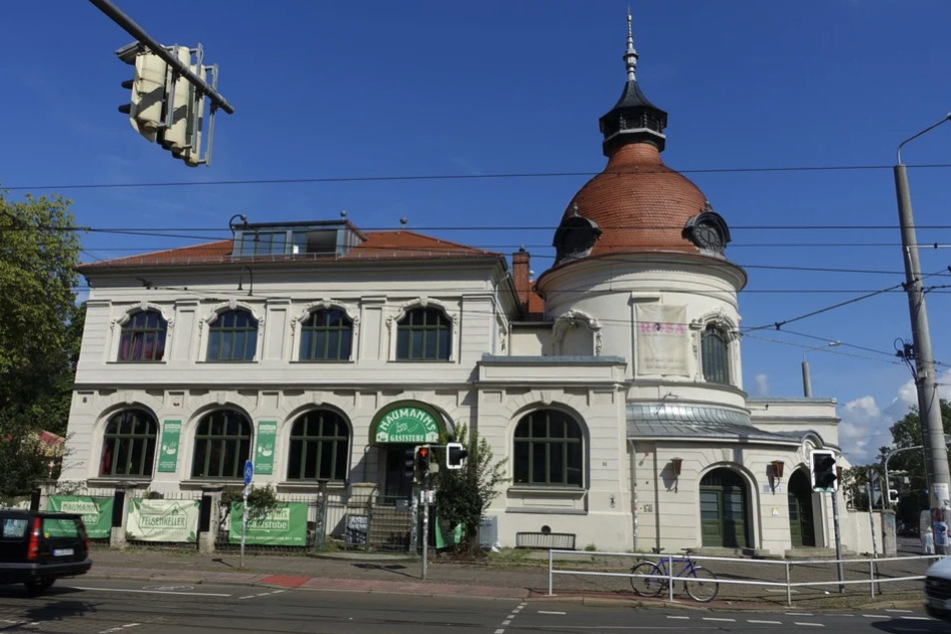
point(708, 231)
point(575, 237)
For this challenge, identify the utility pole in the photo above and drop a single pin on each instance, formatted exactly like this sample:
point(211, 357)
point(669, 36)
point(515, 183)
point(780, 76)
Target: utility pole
point(929, 410)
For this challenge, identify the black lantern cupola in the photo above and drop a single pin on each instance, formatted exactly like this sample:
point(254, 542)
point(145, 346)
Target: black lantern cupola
point(633, 119)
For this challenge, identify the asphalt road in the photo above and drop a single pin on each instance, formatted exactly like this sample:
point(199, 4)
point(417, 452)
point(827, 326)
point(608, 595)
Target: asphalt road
point(118, 607)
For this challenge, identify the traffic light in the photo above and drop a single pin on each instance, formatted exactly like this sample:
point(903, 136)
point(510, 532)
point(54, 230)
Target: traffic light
point(823, 470)
point(147, 99)
point(409, 463)
point(423, 456)
point(164, 106)
point(455, 454)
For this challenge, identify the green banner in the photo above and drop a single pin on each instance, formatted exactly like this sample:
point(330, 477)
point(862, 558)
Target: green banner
point(264, 454)
point(168, 451)
point(284, 526)
point(407, 424)
point(163, 520)
point(96, 512)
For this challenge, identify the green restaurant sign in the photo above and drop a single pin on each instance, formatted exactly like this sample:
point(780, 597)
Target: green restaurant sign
point(405, 423)
point(168, 450)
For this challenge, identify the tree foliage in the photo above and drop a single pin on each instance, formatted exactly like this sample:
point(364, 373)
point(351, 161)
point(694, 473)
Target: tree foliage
point(463, 495)
point(40, 332)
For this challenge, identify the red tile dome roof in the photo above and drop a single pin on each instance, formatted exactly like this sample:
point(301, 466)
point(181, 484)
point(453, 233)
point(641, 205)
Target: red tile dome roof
point(638, 203)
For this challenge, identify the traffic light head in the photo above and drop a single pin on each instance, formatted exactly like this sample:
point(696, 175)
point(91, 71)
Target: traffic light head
point(455, 454)
point(147, 98)
point(824, 476)
point(423, 457)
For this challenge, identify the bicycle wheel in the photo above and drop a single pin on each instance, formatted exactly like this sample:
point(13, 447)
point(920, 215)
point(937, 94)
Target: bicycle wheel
point(701, 584)
point(653, 581)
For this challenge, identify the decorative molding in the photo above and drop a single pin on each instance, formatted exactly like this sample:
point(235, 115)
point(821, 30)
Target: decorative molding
point(144, 306)
point(571, 320)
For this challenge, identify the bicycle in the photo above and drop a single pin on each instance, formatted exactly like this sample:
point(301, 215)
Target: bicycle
point(654, 577)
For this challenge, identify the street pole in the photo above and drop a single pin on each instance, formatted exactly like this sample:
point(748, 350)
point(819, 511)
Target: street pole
point(838, 540)
point(425, 501)
point(929, 410)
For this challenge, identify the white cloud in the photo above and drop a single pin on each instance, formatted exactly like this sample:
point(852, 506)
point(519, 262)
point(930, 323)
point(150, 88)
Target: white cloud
point(859, 431)
point(762, 384)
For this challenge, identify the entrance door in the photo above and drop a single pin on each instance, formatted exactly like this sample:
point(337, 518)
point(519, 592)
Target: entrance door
point(398, 486)
point(723, 510)
point(801, 528)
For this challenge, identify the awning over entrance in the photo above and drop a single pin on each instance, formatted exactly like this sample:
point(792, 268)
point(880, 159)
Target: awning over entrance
point(406, 422)
point(666, 420)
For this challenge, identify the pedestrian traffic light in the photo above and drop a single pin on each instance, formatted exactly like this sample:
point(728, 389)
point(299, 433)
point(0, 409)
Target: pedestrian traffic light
point(409, 462)
point(455, 454)
point(147, 98)
point(423, 456)
point(824, 476)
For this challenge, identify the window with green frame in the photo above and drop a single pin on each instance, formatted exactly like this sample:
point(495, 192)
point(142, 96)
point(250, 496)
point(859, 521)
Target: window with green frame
point(143, 337)
point(128, 445)
point(233, 336)
point(319, 448)
point(326, 335)
point(548, 450)
point(714, 352)
point(222, 445)
point(424, 334)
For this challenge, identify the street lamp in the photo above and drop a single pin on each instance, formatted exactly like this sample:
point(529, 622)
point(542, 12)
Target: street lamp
point(806, 383)
point(936, 459)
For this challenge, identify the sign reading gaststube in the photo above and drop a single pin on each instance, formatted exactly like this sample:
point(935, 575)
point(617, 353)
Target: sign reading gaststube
point(407, 424)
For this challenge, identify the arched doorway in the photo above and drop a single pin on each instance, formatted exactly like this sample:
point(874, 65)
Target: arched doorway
point(724, 510)
point(802, 530)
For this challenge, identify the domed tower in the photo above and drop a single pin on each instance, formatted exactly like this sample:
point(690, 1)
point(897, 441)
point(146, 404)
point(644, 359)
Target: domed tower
point(640, 258)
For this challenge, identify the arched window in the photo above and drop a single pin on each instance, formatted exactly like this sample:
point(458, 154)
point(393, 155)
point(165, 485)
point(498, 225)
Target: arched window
point(549, 450)
point(320, 442)
point(233, 337)
point(715, 354)
point(424, 334)
point(222, 445)
point(143, 337)
point(128, 445)
point(326, 335)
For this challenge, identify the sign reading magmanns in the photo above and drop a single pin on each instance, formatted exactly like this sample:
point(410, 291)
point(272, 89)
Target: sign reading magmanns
point(264, 454)
point(96, 512)
point(168, 449)
point(407, 424)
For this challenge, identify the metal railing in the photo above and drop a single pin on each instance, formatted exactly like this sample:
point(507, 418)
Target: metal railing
point(739, 572)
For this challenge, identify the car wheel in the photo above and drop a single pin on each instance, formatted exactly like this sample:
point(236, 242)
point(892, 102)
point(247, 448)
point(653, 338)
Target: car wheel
point(38, 586)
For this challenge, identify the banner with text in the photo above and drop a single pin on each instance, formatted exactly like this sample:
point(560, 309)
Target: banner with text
point(163, 520)
point(96, 512)
point(264, 454)
point(286, 525)
point(663, 340)
point(168, 450)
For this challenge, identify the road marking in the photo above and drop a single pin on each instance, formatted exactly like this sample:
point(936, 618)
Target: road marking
point(547, 612)
point(764, 622)
point(809, 624)
point(798, 613)
point(682, 618)
point(188, 594)
point(903, 611)
point(119, 628)
point(875, 616)
point(917, 618)
point(710, 618)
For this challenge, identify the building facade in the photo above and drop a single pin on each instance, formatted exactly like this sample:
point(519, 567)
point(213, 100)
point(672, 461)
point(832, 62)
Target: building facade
point(612, 385)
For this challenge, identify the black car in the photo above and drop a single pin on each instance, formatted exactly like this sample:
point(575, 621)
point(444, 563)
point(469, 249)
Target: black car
point(37, 547)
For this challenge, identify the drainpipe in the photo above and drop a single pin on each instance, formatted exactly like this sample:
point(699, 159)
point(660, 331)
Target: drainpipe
point(633, 452)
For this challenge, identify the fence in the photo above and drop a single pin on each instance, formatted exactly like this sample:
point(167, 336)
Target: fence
point(300, 523)
point(750, 577)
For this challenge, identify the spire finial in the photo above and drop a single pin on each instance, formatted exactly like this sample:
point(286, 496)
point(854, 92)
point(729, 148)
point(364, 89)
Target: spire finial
point(630, 55)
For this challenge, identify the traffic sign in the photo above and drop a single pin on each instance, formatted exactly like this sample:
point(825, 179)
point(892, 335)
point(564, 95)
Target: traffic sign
point(248, 472)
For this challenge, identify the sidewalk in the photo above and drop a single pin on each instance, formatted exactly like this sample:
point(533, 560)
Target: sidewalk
point(401, 574)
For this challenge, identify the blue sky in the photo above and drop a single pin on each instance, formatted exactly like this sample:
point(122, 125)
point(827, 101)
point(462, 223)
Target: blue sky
point(337, 90)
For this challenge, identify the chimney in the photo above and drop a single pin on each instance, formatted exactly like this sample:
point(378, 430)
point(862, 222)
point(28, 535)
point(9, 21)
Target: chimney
point(520, 274)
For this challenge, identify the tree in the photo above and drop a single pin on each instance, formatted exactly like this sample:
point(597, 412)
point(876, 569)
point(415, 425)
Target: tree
point(463, 495)
point(40, 332)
